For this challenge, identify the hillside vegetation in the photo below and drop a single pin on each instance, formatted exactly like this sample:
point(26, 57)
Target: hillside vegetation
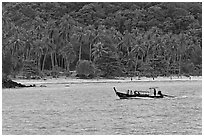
point(115, 39)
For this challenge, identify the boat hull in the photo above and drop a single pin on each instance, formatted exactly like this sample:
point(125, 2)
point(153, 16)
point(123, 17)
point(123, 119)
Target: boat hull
point(141, 96)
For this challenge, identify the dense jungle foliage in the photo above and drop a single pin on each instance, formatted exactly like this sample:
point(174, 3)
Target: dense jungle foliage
point(108, 39)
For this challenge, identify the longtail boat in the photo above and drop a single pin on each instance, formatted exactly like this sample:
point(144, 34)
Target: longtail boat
point(153, 93)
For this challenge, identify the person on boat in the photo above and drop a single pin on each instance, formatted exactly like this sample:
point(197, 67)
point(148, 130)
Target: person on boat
point(128, 91)
point(155, 92)
point(135, 92)
point(131, 93)
point(160, 94)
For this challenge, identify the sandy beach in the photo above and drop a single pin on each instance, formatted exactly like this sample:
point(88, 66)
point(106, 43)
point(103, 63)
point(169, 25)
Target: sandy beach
point(70, 80)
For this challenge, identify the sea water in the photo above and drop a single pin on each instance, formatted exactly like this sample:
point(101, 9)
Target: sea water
point(87, 109)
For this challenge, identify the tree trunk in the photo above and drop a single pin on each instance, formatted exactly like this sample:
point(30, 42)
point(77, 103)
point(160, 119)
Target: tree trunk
point(52, 61)
point(27, 54)
point(61, 61)
point(136, 63)
point(56, 62)
point(90, 52)
point(80, 52)
point(67, 68)
point(43, 65)
point(179, 65)
point(24, 55)
point(147, 57)
point(39, 65)
point(66, 64)
point(168, 65)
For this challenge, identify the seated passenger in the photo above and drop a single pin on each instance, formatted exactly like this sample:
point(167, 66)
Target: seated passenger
point(135, 92)
point(128, 91)
point(160, 94)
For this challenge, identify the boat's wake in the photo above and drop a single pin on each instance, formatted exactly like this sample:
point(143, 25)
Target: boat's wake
point(140, 98)
point(177, 97)
point(182, 97)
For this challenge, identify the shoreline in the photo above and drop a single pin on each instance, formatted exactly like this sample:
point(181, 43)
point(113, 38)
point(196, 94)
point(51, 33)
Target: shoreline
point(69, 80)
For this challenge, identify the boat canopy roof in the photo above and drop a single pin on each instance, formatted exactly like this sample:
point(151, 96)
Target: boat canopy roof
point(153, 87)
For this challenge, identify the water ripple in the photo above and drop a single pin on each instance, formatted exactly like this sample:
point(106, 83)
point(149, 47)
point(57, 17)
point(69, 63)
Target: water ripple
point(94, 109)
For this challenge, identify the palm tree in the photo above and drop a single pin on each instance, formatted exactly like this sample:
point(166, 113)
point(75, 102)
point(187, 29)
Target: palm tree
point(181, 42)
point(137, 51)
point(99, 50)
point(65, 27)
point(68, 54)
point(91, 37)
point(126, 47)
point(52, 41)
point(78, 38)
point(38, 50)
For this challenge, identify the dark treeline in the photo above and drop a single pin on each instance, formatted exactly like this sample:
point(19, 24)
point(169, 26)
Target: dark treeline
point(107, 39)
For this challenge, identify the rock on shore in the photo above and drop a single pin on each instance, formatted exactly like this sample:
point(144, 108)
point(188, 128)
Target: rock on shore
point(8, 83)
